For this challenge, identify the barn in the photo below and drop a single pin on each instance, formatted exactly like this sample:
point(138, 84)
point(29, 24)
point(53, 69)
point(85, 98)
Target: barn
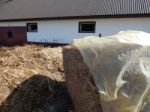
point(61, 21)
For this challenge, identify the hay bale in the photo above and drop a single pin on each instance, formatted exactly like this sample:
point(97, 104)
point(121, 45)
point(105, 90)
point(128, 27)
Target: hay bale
point(80, 82)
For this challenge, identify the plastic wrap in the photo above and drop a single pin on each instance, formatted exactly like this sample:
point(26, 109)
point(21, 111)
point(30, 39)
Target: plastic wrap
point(120, 65)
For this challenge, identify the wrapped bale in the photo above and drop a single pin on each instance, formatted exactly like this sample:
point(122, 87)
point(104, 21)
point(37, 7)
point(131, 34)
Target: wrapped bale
point(117, 70)
point(80, 82)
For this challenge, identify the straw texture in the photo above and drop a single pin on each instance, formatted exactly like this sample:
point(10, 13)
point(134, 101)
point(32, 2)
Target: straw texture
point(80, 82)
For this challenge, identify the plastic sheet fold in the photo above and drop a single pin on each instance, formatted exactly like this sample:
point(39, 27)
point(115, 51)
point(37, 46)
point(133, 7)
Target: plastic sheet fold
point(120, 65)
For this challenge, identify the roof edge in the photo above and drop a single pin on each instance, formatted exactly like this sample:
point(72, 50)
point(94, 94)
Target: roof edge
point(78, 17)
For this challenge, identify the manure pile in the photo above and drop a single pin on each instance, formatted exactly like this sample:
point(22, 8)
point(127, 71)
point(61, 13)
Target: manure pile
point(32, 80)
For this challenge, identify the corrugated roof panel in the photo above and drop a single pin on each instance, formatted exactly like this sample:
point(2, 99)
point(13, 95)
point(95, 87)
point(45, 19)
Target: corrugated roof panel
point(22, 9)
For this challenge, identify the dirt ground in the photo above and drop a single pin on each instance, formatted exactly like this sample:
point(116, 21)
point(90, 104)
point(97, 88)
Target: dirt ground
point(32, 80)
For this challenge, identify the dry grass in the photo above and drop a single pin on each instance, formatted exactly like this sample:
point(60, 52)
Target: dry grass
point(19, 68)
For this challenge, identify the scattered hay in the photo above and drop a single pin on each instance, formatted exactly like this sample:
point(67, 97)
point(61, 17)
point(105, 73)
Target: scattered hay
point(21, 89)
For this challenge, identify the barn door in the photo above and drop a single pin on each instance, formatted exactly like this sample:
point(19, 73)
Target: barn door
point(10, 36)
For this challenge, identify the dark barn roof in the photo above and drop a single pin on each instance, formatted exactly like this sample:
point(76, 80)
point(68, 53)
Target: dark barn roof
point(63, 9)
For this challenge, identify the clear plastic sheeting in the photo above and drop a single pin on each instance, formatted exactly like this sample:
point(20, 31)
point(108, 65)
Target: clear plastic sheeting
point(120, 65)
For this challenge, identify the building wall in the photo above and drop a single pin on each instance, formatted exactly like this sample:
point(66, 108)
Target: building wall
point(64, 31)
point(18, 35)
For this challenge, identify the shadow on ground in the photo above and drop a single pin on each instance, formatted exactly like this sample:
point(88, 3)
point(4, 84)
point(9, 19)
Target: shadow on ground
point(38, 94)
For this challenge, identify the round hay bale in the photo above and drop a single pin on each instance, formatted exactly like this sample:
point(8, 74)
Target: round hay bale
point(80, 82)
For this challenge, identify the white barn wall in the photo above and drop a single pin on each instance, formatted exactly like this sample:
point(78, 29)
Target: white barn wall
point(64, 31)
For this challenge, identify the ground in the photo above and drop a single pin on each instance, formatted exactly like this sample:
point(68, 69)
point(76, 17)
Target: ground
point(32, 80)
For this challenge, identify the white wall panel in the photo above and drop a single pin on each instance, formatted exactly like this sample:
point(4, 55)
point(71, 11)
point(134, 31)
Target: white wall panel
point(64, 31)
